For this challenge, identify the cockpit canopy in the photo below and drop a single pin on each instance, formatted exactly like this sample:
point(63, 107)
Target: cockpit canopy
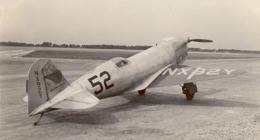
point(120, 61)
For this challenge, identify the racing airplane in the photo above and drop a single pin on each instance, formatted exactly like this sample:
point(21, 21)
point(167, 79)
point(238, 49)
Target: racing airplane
point(158, 66)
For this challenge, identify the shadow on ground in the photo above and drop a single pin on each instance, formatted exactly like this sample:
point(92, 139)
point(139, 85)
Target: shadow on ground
point(105, 115)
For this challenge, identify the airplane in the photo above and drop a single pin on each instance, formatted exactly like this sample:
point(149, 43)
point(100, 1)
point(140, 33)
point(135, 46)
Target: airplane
point(160, 65)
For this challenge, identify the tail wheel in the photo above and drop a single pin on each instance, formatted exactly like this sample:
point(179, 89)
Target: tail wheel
point(142, 92)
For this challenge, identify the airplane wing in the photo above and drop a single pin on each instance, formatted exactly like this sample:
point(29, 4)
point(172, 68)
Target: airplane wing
point(179, 74)
point(147, 81)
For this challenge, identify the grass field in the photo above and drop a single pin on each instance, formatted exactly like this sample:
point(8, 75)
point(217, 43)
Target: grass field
point(78, 54)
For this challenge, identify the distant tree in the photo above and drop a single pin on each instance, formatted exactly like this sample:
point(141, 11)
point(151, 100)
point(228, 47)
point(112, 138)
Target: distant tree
point(55, 45)
point(46, 44)
point(72, 46)
point(64, 45)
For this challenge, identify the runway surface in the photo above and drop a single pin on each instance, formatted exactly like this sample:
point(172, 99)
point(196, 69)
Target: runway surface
point(222, 109)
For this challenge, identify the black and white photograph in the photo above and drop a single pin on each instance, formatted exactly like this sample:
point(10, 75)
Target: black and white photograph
point(129, 70)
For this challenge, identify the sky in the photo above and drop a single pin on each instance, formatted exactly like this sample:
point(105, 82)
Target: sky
point(232, 24)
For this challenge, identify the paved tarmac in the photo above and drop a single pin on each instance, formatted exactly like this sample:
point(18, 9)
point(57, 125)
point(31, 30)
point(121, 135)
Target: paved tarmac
point(222, 109)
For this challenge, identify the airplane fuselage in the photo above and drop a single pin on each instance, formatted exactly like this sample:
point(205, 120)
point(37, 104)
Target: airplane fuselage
point(119, 74)
point(48, 89)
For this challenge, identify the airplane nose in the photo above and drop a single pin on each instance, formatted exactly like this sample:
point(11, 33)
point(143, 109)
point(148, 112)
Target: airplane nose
point(175, 39)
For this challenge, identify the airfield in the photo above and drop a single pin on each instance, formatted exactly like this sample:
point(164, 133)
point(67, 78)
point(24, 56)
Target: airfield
point(222, 109)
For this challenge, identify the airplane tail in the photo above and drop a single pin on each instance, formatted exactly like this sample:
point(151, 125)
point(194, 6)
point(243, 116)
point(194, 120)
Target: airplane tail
point(49, 90)
point(44, 82)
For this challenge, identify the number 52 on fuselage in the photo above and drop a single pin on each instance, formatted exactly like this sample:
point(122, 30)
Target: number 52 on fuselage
point(157, 66)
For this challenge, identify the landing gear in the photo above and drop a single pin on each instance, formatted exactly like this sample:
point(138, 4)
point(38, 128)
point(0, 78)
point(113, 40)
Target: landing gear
point(42, 113)
point(189, 89)
point(141, 92)
point(37, 122)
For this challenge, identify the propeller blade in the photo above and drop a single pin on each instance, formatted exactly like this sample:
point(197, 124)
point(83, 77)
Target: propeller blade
point(200, 40)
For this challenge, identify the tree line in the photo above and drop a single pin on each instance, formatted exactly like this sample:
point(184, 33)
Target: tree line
point(49, 44)
point(223, 50)
point(104, 46)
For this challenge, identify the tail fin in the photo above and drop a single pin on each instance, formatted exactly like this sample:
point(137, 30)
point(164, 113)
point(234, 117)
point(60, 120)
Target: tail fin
point(45, 81)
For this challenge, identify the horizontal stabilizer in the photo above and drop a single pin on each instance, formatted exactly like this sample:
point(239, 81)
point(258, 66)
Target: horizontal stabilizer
point(80, 100)
point(25, 98)
point(73, 97)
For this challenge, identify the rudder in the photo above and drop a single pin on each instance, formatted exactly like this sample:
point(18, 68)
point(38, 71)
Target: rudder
point(45, 81)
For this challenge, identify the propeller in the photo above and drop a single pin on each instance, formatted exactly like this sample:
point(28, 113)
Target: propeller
point(199, 40)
